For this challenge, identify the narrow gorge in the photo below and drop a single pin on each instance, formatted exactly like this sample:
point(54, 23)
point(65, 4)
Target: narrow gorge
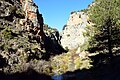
point(31, 50)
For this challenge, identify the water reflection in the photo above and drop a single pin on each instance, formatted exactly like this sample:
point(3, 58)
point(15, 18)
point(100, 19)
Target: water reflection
point(57, 77)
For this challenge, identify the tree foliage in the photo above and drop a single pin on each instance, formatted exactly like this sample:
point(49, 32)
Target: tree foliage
point(105, 14)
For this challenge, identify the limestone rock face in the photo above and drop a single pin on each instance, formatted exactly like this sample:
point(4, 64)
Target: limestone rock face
point(77, 18)
point(72, 34)
point(52, 40)
point(23, 42)
point(21, 34)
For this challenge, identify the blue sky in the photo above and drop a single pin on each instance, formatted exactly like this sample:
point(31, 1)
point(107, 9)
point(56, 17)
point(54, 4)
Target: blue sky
point(56, 12)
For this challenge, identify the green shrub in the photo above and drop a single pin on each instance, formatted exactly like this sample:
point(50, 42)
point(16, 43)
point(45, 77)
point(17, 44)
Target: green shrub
point(7, 33)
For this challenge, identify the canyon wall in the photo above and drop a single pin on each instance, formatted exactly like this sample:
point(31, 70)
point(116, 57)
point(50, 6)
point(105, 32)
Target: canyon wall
point(73, 32)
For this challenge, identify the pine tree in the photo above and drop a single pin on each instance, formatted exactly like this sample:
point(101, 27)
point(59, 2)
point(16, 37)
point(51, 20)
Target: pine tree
point(105, 14)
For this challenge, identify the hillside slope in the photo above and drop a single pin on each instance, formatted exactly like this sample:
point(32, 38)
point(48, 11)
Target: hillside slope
point(22, 37)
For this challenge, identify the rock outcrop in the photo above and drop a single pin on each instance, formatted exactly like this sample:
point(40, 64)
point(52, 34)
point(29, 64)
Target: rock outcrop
point(23, 42)
point(18, 37)
point(52, 41)
point(73, 31)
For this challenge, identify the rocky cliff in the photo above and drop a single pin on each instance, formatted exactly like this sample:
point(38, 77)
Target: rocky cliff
point(73, 32)
point(23, 41)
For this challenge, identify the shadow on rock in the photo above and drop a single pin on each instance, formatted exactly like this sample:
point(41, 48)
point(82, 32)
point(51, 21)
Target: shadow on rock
point(52, 48)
